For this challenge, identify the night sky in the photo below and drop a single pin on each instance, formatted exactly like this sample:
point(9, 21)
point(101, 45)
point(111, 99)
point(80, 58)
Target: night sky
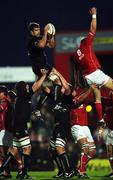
point(67, 16)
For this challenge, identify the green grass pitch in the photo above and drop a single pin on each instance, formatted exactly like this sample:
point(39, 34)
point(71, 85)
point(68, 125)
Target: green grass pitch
point(49, 175)
point(97, 169)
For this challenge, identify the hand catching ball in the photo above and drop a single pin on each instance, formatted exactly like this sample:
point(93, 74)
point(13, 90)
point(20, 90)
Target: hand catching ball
point(51, 29)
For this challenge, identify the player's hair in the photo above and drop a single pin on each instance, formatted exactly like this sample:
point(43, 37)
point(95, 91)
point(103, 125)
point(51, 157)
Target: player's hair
point(33, 25)
point(12, 94)
point(4, 89)
point(21, 89)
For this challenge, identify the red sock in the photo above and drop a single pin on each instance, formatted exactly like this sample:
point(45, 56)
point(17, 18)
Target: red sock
point(98, 106)
point(83, 163)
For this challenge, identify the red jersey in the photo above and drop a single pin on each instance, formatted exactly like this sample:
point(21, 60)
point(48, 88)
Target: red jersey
point(5, 115)
point(85, 56)
point(79, 116)
point(108, 112)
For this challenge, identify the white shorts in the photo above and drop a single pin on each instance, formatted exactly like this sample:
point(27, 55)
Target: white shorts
point(5, 138)
point(78, 132)
point(98, 77)
point(109, 137)
point(21, 142)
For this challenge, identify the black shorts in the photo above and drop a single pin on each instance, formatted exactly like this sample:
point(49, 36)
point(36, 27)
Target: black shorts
point(36, 69)
point(20, 134)
point(61, 126)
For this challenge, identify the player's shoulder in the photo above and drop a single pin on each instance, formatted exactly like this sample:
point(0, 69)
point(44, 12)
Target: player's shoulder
point(34, 38)
point(91, 33)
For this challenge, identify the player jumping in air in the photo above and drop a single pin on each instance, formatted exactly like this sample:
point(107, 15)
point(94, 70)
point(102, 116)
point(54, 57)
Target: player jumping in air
point(36, 50)
point(89, 63)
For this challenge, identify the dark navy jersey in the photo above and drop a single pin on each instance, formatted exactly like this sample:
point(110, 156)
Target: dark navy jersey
point(64, 102)
point(22, 112)
point(45, 100)
point(61, 111)
point(37, 55)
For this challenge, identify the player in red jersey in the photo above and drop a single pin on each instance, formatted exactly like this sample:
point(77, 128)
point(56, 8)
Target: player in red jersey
point(107, 133)
point(80, 131)
point(5, 127)
point(87, 59)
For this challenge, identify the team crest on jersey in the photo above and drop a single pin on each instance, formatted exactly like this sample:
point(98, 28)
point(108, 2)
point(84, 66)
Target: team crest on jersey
point(81, 106)
point(80, 54)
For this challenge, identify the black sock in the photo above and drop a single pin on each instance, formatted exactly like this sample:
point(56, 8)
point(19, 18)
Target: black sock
point(6, 161)
point(8, 169)
point(25, 163)
point(65, 161)
point(57, 160)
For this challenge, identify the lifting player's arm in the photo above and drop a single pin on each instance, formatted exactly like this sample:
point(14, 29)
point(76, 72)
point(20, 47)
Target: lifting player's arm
point(42, 43)
point(83, 96)
point(93, 24)
point(63, 82)
point(51, 42)
point(37, 85)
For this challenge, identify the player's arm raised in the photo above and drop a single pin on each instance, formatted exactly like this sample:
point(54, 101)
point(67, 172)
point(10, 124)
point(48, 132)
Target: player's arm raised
point(37, 85)
point(42, 43)
point(64, 83)
point(51, 37)
point(93, 25)
point(51, 42)
point(83, 96)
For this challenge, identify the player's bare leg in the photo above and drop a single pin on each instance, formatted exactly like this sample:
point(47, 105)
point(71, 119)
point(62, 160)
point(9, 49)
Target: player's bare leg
point(10, 155)
point(1, 155)
point(110, 157)
point(109, 84)
point(92, 150)
point(14, 151)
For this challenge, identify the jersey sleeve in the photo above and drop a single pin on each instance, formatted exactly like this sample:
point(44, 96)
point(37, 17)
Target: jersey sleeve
point(89, 39)
point(34, 41)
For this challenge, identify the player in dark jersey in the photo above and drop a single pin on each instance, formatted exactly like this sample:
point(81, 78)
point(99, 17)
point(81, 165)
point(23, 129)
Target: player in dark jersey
point(89, 63)
point(60, 135)
point(62, 104)
point(12, 99)
point(59, 93)
point(22, 114)
point(36, 50)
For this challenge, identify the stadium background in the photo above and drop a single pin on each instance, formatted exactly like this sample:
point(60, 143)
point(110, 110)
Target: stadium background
point(68, 17)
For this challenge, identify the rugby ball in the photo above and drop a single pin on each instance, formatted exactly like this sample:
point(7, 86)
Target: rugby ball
point(51, 29)
point(53, 76)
